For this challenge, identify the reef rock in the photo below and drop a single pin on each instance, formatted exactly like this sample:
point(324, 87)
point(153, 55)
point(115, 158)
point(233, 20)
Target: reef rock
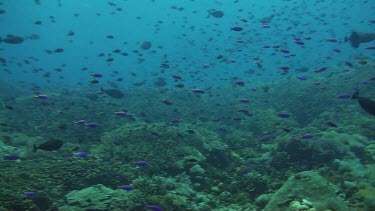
point(95, 197)
point(307, 186)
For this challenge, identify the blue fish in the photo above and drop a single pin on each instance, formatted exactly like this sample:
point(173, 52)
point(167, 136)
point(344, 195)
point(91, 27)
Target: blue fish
point(11, 157)
point(127, 187)
point(141, 163)
point(283, 115)
point(80, 154)
point(30, 194)
point(153, 208)
point(307, 136)
point(344, 96)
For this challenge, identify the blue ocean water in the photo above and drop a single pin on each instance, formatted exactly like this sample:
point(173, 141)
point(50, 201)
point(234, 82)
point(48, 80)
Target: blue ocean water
point(225, 99)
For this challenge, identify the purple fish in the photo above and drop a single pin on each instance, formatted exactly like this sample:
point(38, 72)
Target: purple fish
point(307, 136)
point(11, 157)
point(30, 194)
point(370, 48)
point(80, 154)
point(372, 78)
point(344, 96)
point(153, 208)
point(283, 115)
point(41, 97)
point(141, 163)
point(299, 42)
point(198, 91)
point(254, 89)
point(127, 187)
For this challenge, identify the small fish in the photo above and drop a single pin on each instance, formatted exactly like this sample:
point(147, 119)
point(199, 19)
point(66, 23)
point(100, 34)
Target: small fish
point(287, 130)
point(96, 75)
point(244, 111)
point(30, 194)
point(236, 28)
point(221, 129)
point(240, 83)
point(331, 124)
point(80, 122)
point(141, 163)
point(8, 107)
point(343, 96)
point(283, 115)
point(331, 40)
point(94, 81)
point(80, 154)
point(244, 100)
point(177, 77)
point(307, 136)
point(127, 187)
point(166, 102)
point(301, 77)
point(115, 142)
point(153, 208)
point(120, 113)
point(41, 96)
point(92, 124)
point(319, 70)
point(198, 91)
point(11, 157)
point(370, 48)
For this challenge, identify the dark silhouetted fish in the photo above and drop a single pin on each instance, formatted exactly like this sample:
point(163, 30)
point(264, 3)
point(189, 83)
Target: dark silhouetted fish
point(12, 39)
point(115, 93)
point(357, 38)
point(367, 104)
point(50, 145)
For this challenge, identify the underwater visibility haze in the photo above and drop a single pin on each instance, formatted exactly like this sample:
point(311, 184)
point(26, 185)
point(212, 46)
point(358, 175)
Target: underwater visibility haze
point(187, 105)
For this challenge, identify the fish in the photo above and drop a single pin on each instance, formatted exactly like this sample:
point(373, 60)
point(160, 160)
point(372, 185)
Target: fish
point(146, 45)
point(153, 208)
point(50, 145)
point(141, 163)
point(357, 38)
point(114, 93)
point(198, 91)
point(331, 124)
point(127, 187)
point(283, 115)
point(80, 154)
point(41, 96)
point(343, 96)
point(236, 28)
point(307, 136)
point(216, 13)
point(367, 104)
point(11, 157)
point(12, 39)
point(30, 194)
